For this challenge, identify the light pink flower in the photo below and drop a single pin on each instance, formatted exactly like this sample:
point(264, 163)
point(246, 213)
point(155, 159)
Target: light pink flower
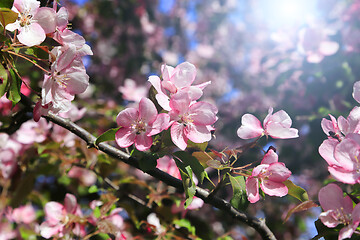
point(6, 231)
point(338, 210)
point(343, 158)
point(24, 214)
point(138, 125)
point(60, 218)
point(131, 92)
point(174, 80)
point(356, 91)
point(315, 44)
point(271, 174)
point(276, 125)
point(32, 131)
point(68, 77)
point(10, 149)
point(190, 120)
point(33, 22)
point(341, 127)
point(85, 176)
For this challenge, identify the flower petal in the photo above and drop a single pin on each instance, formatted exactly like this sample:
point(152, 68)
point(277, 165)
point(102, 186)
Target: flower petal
point(274, 188)
point(125, 137)
point(143, 142)
point(252, 189)
point(250, 127)
point(203, 113)
point(147, 110)
point(127, 117)
point(177, 135)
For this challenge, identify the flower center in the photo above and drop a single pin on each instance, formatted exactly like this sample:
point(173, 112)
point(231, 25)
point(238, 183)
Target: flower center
point(25, 19)
point(186, 119)
point(342, 217)
point(139, 126)
point(60, 79)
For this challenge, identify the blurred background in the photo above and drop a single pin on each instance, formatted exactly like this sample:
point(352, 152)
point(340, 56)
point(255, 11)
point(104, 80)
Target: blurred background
point(301, 56)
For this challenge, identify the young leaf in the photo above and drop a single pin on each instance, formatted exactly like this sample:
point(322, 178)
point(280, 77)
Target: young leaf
point(189, 185)
point(239, 199)
point(188, 160)
point(204, 157)
point(109, 135)
point(296, 191)
point(6, 14)
point(301, 207)
point(3, 80)
point(14, 92)
point(200, 146)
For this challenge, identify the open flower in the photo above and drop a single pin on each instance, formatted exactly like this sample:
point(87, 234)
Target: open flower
point(271, 174)
point(138, 125)
point(60, 218)
point(276, 125)
point(174, 80)
point(338, 210)
point(190, 120)
point(33, 22)
point(343, 158)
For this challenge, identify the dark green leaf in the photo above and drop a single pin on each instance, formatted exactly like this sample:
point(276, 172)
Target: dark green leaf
point(147, 161)
point(188, 160)
point(189, 186)
point(6, 3)
point(109, 135)
point(24, 188)
point(239, 199)
point(296, 191)
point(14, 92)
point(3, 80)
point(7, 15)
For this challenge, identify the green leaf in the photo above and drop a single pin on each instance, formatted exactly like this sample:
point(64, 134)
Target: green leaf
point(14, 92)
point(186, 224)
point(296, 191)
point(6, 3)
point(93, 189)
point(188, 160)
point(6, 14)
point(97, 212)
point(147, 161)
point(199, 146)
point(188, 183)
point(239, 199)
point(3, 80)
point(109, 135)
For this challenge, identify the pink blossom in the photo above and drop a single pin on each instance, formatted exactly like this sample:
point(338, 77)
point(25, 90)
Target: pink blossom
point(86, 177)
point(315, 44)
point(174, 80)
point(10, 149)
point(32, 131)
point(24, 214)
point(338, 210)
point(60, 218)
point(131, 92)
point(341, 127)
point(342, 158)
point(6, 231)
point(356, 91)
point(138, 125)
point(33, 22)
point(276, 125)
point(68, 77)
point(271, 174)
point(190, 120)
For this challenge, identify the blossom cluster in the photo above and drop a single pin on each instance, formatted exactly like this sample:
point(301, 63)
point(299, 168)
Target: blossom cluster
point(67, 75)
point(187, 118)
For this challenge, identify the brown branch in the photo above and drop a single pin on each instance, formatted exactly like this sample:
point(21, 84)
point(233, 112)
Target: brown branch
point(257, 224)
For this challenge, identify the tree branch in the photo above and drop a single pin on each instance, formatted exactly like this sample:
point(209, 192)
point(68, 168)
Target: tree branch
point(257, 224)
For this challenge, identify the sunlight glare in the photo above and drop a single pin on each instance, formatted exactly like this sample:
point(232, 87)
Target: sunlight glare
point(285, 13)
